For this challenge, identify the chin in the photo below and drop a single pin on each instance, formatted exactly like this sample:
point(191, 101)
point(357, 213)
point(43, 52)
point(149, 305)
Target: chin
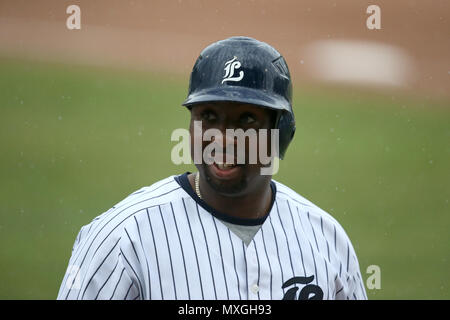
point(226, 187)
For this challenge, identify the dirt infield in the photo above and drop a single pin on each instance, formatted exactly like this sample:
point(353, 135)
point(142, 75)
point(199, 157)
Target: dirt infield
point(168, 35)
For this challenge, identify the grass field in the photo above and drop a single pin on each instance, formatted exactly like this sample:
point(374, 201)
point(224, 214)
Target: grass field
point(76, 140)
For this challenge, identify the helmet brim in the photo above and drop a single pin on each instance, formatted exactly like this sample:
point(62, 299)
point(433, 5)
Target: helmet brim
point(238, 94)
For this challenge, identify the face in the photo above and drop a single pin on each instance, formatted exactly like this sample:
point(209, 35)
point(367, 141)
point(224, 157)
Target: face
point(230, 178)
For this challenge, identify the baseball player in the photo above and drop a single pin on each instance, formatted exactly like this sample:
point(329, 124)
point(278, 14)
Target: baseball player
point(227, 231)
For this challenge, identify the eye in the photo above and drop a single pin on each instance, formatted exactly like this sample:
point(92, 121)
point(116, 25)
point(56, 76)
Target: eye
point(248, 118)
point(208, 115)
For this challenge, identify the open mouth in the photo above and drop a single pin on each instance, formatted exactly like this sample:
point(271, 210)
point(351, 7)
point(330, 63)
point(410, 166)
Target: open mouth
point(225, 166)
point(225, 171)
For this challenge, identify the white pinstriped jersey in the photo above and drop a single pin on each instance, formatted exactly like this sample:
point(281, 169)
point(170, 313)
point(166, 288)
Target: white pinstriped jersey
point(163, 242)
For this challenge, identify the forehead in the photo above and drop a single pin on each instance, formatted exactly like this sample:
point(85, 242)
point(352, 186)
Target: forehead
point(232, 108)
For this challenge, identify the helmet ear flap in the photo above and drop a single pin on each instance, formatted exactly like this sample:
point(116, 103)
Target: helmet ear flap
point(286, 127)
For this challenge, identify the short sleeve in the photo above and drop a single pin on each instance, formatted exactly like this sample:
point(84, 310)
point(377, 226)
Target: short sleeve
point(102, 275)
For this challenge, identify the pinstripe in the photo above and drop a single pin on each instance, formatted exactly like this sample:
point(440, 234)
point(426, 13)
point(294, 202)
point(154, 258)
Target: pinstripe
point(98, 268)
point(335, 245)
point(156, 255)
point(328, 283)
point(114, 210)
point(141, 289)
point(315, 266)
point(348, 256)
point(103, 241)
point(326, 241)
point(296, 236)
point(278, 253)
point(118, 281)
point(259, 266)
point(291, 198)
point(337, 292)
point(234, 263)
point(107, 279)
point(146, 260)
point(125, 298)
point(130, 215)
point(105, 224)
point(221, 256)
point(195, 249)
point(314, 233)
point(207, 250)
point(170, 255)
point(310, 245)
point(132, 245)
point(318, 250)
point(182, 251)
point(268, 260)
point(287, 240)
point(246, 272)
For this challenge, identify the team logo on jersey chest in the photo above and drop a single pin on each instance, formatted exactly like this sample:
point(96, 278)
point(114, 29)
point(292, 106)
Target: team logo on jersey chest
point(230, 67)
point(308, 292)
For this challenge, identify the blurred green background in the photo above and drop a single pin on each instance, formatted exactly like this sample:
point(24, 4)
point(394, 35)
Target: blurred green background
point(76, 140)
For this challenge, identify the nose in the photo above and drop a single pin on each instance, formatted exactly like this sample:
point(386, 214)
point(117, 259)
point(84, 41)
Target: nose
point(226, 143)
point(225, 138)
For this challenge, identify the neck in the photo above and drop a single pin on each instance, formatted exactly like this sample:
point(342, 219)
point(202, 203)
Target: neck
point(253, 205)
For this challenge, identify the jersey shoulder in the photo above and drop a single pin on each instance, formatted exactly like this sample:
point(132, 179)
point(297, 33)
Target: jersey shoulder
point(319, 218)
point(286, 193)
point(108, 224)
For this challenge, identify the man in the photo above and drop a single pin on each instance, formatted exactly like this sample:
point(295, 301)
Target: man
point(228, 231)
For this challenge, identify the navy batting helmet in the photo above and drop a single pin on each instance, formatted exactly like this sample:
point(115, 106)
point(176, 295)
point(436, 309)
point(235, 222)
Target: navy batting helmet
point(245, 70)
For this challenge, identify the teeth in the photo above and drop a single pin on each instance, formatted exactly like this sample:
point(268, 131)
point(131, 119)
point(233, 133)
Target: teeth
point(224, 166)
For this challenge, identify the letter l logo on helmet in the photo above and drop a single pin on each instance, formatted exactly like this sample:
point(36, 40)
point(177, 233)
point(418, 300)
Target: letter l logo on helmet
point(230, 66)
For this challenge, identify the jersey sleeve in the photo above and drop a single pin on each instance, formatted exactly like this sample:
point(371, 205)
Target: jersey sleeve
point(97, 274)
point(351, 283)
